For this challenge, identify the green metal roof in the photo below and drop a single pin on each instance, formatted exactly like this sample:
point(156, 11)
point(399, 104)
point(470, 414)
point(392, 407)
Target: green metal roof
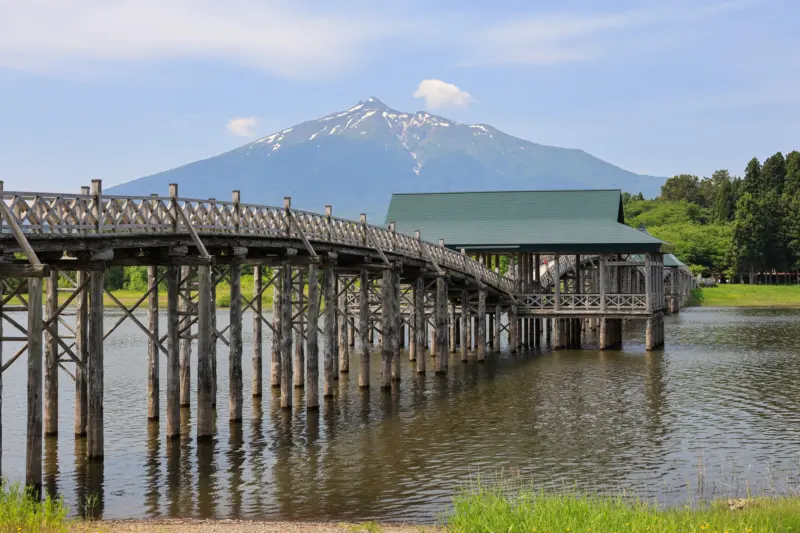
point(578, 221)
point(671, 261)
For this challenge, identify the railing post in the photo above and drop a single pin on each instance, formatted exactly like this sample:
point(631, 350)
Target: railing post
point(648, 281)
point(97, 191)
point(237, 215)
point(557, 281)
point(602, 282)
point(173, 194)
point(329, 221)
point(287, 209)
point(418, 236)
point(393, 232)
point(364, 227)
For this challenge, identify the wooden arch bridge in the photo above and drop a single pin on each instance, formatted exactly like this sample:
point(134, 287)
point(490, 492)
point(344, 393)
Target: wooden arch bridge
point(332, 279)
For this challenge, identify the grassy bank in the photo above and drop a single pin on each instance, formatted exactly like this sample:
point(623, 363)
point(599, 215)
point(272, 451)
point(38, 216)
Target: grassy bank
point(19, 511)
point(491, 511)
point(749, 296)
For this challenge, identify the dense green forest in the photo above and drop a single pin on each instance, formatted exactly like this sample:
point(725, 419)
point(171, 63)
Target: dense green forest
point(726, 226)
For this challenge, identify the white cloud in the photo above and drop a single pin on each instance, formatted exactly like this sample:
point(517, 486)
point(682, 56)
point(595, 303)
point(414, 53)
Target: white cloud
point(275, 36)
point(243, 126)
point(562, 37)
point(441, 95)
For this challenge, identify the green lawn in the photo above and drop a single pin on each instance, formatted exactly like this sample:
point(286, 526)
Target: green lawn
point(749, 296)
point(491, 511)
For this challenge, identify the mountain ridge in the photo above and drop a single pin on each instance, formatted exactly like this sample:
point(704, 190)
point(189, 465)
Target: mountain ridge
point(355, 159)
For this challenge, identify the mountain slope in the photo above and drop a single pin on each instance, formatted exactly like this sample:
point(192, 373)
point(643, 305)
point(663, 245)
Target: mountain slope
point(355, 159)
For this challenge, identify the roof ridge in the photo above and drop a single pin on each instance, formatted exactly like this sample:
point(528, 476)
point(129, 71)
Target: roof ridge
point(508, 191)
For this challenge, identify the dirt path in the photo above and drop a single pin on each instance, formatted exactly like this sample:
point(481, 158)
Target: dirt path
point(235, 526)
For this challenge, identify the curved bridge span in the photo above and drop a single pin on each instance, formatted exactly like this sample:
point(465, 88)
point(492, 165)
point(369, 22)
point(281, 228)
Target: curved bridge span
point(333, 280)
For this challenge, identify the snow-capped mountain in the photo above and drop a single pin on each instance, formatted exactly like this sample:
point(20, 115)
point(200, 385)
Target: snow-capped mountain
point(355, 159)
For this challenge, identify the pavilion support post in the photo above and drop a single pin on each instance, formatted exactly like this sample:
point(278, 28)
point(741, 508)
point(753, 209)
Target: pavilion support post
point(419, 324)
point(258, 339)
point(603, 334)
point(363, 369)
point(557, 334)
point(153, 352)
point(186, 341)
point(33, 450)
point(498, 312)
point(205, 337)
point(648, 281)
point(51, 356)
point(344, 345)
point(387, 328)
point(300, 345)
point(277, 329)
point(464, 341)
point(557, 281)
point(235, 393)
point(312, 339)
point(649, 334)
point(173, 349)
point(481, 325)
point(441, 325)
point(329, 288)
point(453, 322)
point(94, 429)
point(82, 351)
point(513, 330)
point(286, 335)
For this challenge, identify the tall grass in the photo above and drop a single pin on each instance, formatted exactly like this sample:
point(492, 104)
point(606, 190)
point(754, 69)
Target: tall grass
point(493, 510)
point(21, 511)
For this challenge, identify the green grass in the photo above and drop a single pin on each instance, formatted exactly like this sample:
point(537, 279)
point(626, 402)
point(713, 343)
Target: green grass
point(490, 511)
point(20, 511)
point(749, 296)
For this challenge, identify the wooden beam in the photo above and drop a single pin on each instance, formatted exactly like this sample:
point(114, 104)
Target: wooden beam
point(312, 398)
point(173, 354)
point(33, 451)
point(329, 288)
point(205, 420)
point(286, 336)
point(235, 355)
point(94, 429)
point(441, 326)
point(257, 304)
point(420, 326)
point(51, 357)
point(363, 370)
point(153, 346)
point(17, 270)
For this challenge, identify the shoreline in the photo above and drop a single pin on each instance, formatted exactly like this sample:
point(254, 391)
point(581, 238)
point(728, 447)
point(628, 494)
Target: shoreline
point(188, 525)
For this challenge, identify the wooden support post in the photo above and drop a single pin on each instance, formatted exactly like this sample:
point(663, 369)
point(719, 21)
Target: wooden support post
point(1, 357)
point(51, 356)
point(412, 325)
point(387, 328)
point(557, 281)
point(344, 345)
point(212, 313)
point(363, 369)
point(173, 343)
point(513, 343)
point(33, 451)
point(235, 392)
point(286, 335)
point(464, 326)
point(453, 322)
point(648, 281)
point(312, 339)
point(204, 340)
point(94, 429)
point(397, 320)
point(82, 351)
point(300, 345)
point(329, 288)
point(277, 329)
point(258, 372)
point(481, 340)
point(649, 334)
point(186, 341)
point(153, 351)
point(419, 324)
point(498, 313)
point(441, 325)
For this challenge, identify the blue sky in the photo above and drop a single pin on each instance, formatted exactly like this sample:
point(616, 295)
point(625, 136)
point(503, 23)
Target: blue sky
point(119, 89)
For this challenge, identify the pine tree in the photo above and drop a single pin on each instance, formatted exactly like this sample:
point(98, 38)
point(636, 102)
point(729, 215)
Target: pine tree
point(773, 174)
point(752, 178)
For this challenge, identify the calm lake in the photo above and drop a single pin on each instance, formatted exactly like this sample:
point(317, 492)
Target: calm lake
point(718, 408)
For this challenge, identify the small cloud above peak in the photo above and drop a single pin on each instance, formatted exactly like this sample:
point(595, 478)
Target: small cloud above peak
point(243, 126)
point(439, 94)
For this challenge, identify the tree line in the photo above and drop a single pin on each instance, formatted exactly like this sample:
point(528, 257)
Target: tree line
point(727, 226)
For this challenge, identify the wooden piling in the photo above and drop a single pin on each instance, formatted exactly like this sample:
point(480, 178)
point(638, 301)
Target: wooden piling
point(464, 326)
point(441, 325)
point(300, 345)
point(81, 351)
point(420, 323)
point(186, 341)
point(336, 318)
point(387, 328)
point(412, 326)
point(204, 340)
point(258, 339)
point(498, 313)
point(363, 324)
point(286, 336)
point(397, 320)
point(312, 339)
point(212, 313)
point(153, 353)
point(344, 345)
point(481, 340)
point(235, 393)
point(33, 450)
point(277, 330)
point(94, 429)
point(173, 348)
point(51, 357)
point(329, 288)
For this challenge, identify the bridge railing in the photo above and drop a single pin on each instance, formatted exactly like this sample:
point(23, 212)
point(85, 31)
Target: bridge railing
point(39, 213)
point(583, 302)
